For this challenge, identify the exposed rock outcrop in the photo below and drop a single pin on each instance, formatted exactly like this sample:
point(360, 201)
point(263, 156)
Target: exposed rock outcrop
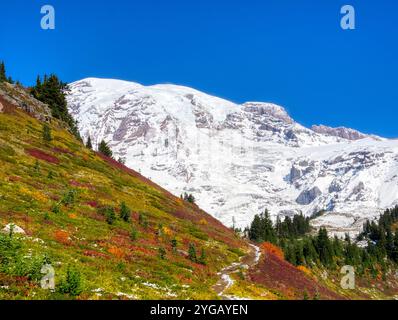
point(308, 196)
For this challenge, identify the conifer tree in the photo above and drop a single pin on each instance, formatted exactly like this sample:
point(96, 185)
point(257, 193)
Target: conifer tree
point(189, 197)
point(162, 253)
point(89, 145)
point(174, 245)
point(192, 252)
point(324, 247)
point(105, 149)
point(202, 258)
point(47, 137)
point(3, 76)
point(133, 233)
point(125, 213)
point(255, 229)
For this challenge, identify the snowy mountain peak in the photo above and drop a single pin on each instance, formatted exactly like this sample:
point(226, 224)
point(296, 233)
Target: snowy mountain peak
point(239, 159)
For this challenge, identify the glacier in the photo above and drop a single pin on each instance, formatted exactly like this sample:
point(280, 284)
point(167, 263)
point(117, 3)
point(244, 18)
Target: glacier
point(239, 159)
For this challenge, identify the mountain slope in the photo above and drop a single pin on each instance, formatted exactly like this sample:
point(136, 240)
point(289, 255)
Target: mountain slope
point(58, 194)
point(239, 159)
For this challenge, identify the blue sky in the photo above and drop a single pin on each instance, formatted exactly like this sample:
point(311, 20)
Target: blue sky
point(290, 52)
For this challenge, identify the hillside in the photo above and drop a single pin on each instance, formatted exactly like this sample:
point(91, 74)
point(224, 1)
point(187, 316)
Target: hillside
point(58, 193)
point(238, 159)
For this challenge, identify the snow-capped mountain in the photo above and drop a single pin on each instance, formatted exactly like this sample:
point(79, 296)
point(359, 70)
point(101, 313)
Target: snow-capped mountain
point(238, 160)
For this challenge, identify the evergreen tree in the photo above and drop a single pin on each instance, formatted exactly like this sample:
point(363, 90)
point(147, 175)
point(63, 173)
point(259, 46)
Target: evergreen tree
point(192, 252)
point(3, 76)
point(162, 253)
point(202, 258)
point(88, 143)
point(133, 233)
point(36, 167)
point(142, 220)
point(46, 131)
point(174, 245)
point(309, 251)
point(324, 247)
point(189, 197)
point(50, 175)
point(290, 254)
point(298, 251)
point(389, 243)
point(104, 149)
point(255, 230)
point(72, 284)
point(125, 213)
point(109, 214)
point(121, 160)
point(395, 251)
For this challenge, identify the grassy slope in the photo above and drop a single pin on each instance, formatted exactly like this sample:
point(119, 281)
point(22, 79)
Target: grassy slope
point(79, 236)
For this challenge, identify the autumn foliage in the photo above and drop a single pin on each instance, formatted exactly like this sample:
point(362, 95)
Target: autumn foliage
point(272, 249)
point(62, 236)
point(305, 270)
point(117, 252)
point(41, 155)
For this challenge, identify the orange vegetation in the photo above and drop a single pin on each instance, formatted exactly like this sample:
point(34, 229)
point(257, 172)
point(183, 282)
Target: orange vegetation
point(72, 215)
point(117, 252)
point(272, 249)
point(62, 236)
point(305, 270)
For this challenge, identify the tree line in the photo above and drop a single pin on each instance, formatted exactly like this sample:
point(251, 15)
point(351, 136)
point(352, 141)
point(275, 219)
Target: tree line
point(302, 246)
point(52, 91)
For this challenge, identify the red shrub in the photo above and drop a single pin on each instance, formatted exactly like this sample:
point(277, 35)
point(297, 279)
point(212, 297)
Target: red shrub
point(60, 150)
point(14, 178)
point(92, 253)
point(41, 155)
point(93, 204)
point(78, 184)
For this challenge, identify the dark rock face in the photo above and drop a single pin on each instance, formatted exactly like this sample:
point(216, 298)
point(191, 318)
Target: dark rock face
point(358, 188)
point(295, 174)
point(308, 196)
point(290, 135)
point(20, 98)
point(335, 187)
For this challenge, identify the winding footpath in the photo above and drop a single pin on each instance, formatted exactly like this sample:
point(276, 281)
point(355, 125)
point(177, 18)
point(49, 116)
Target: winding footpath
point(226, 281)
